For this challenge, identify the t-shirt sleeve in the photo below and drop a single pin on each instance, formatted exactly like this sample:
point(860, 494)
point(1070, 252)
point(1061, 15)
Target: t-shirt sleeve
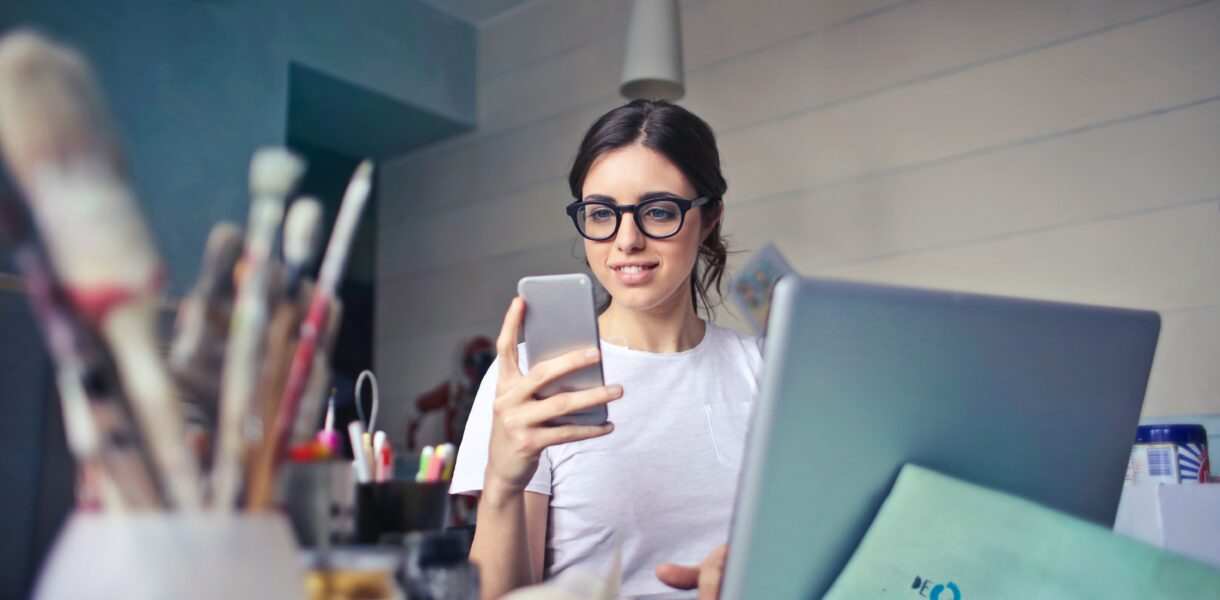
point(472, 454)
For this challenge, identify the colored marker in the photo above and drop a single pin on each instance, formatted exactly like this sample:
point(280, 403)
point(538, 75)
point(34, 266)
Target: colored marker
point(436, 465)
point(450, 460)
point(327, 437)
point(355, 432)
point(425, 457)
point(378, 446)
point(369, 457)
point(386, 461)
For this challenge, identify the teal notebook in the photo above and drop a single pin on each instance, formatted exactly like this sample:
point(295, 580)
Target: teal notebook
point(940, 538)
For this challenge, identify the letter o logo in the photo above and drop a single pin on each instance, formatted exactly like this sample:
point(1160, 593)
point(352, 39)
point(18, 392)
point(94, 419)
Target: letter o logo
point(940, 587)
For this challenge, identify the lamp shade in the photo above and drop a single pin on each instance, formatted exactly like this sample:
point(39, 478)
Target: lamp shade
point(652, 66)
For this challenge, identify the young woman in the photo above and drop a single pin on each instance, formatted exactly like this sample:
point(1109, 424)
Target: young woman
point(659, 480)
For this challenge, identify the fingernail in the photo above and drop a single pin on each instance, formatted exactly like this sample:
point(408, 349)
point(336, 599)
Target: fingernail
point(615, 389)
point(591, 353)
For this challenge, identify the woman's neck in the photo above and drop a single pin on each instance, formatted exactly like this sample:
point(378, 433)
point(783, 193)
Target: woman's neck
point(662, 330)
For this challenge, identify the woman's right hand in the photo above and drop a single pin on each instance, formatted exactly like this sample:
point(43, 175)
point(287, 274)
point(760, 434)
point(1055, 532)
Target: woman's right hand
point(518, 430)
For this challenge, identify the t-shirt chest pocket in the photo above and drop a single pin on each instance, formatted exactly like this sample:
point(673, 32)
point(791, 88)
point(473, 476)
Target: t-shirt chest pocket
point(729, 422)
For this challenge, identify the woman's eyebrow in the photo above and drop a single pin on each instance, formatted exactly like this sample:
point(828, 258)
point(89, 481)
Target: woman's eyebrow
point(652, 195)
point(642, 198)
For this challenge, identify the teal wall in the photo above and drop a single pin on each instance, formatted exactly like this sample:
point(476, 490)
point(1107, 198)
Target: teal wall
point(197, 85)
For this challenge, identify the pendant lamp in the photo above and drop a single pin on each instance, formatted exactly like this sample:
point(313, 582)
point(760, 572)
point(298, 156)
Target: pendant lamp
point(652, 66)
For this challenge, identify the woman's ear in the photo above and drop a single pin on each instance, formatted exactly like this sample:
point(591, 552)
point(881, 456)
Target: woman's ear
point(710, 226)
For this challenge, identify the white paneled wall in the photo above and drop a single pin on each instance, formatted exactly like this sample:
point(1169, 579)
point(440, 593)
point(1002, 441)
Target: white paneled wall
point(1061, 149)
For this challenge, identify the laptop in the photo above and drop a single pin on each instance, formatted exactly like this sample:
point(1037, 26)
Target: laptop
point(1038, 399)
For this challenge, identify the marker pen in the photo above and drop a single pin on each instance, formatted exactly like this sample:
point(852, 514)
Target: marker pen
point(425, 457)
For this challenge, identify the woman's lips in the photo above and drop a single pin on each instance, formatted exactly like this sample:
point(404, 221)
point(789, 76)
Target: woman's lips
point(634, 274)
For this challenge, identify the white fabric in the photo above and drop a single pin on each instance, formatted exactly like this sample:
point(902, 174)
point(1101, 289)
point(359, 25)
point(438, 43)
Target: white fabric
point(663, 483)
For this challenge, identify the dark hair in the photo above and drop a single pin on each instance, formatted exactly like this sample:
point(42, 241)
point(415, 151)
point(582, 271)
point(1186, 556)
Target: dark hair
point(687, 142)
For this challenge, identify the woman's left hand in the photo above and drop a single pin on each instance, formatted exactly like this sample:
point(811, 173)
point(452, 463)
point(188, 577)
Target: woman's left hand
point(705, 575)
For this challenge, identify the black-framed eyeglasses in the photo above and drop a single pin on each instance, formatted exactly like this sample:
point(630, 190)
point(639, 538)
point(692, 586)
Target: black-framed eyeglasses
point(657, 218)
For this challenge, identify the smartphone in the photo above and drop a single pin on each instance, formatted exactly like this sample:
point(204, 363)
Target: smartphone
point(560, 317)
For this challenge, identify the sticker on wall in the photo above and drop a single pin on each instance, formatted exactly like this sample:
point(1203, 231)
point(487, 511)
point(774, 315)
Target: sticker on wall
point(753, 286)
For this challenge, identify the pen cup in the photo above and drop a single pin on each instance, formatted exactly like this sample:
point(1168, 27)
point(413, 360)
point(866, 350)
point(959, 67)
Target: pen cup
point(319, 498)
point(156, 555)
point(386, 510)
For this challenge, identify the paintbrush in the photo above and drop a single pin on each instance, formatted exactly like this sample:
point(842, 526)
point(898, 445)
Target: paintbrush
point(316, 320)
point(301, 228)
point(62, 153)
point(262, 472)
point(313, 398)
point(196, 356)
point(281, 337)
point(302, 232)
point(274, 172)
point(96, 425)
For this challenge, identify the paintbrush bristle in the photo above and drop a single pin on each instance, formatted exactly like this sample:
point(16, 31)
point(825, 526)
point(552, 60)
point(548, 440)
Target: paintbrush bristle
point(301, 230)
point(364, 170)
point(275, 172)
point(60, 146)
point(50, 106)
point(222, 252)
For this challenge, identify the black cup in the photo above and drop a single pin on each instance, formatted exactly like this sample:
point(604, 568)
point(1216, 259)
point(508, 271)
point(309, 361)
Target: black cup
point(387, 510)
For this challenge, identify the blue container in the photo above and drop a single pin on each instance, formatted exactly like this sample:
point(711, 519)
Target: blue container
point(1179, 450)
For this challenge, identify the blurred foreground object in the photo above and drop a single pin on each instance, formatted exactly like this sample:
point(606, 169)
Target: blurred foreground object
point(60, 148)
point(153, 556)
point(973, 542)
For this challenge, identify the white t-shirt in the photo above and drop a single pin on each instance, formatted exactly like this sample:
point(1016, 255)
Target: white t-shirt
point(663, 482)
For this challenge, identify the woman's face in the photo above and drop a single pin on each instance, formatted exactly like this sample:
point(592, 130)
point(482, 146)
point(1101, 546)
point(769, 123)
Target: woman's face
point(642, 273)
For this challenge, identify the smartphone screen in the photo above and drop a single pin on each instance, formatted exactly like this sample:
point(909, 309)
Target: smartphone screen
point(560, 317)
